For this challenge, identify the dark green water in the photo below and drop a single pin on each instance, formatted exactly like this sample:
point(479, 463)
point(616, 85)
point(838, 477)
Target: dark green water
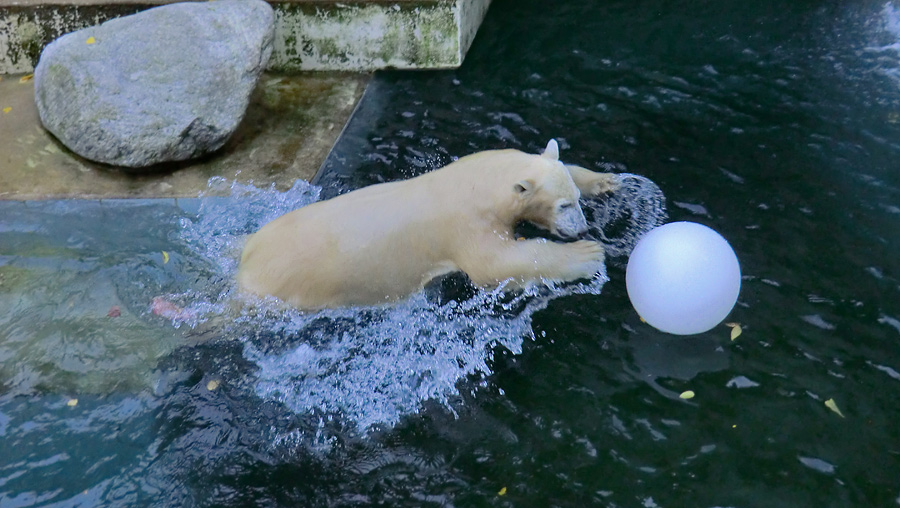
point(777, 124)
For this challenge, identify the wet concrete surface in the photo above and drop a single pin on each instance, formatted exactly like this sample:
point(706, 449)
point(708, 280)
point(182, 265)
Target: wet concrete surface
point(290, 126)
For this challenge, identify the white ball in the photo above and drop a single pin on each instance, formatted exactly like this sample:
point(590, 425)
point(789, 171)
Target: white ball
point(683, 278)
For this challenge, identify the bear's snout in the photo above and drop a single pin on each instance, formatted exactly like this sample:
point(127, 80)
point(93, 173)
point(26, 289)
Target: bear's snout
point(570, 222)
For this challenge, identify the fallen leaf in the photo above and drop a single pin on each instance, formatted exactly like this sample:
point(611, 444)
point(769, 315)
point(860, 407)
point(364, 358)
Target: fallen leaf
point(90, 40)
point(7, 109)
point(72, 402)
point(114, 311)
point(212, 385)
point(832, 405)
point(687, 395)
point(735, 330)
point(165, 257)
point(502, 492)
point(26, 78)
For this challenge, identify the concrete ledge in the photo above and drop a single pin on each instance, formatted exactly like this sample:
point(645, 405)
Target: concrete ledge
point(357, 35)
point(290, 126)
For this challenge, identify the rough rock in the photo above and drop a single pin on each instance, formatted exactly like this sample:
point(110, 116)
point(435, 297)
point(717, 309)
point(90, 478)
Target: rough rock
point(167, 84)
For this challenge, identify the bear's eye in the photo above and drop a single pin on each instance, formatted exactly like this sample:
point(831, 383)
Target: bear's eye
point(566, 206)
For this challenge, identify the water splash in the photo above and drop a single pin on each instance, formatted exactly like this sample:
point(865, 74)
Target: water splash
point(229, 211)
point(885, 46)
point(619, 220)
point(373, 365)
point(891, 16)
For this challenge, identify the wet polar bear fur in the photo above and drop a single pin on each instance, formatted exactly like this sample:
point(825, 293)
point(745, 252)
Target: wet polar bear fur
point(385, 242)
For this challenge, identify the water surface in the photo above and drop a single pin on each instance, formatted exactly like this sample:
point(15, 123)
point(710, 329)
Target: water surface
point(776, 124)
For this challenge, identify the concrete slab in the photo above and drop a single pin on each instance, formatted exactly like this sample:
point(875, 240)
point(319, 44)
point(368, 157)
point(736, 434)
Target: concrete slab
point(358, 35)
point(290, 126)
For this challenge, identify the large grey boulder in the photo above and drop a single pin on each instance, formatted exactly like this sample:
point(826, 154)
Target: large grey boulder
point(167, 84)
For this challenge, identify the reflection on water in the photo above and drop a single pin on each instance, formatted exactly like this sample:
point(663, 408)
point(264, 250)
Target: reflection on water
point(777, 127)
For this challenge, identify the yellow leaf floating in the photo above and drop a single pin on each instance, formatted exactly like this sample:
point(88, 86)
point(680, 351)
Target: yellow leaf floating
point(212, 385)
point(72, 402)
point(90, 40)
point(832, 405)
point(26, 78)
point(165, 257)
point(735, 330)
point(6, 110)
point(687, 395)
point(502, 492)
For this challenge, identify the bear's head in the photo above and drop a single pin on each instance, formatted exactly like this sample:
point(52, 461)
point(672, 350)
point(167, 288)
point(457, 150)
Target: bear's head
point(548, 196)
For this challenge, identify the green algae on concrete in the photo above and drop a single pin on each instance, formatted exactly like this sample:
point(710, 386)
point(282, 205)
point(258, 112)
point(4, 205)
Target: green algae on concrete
point(13, 278)
point(289, 127)
point(358, 35)
point(370, 35)
point(26, 27)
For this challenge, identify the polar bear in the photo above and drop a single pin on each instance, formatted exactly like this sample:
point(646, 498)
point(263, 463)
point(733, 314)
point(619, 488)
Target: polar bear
point(382, 243)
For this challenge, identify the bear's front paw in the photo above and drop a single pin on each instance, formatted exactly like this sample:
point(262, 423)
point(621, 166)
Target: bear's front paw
point(586, 259)
point(603, 183)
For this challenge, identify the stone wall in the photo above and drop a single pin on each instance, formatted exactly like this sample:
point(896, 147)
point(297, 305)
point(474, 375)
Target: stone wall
point(310, 34)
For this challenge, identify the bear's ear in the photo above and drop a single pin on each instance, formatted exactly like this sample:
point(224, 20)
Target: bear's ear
point(524, 187)
point(552, 151)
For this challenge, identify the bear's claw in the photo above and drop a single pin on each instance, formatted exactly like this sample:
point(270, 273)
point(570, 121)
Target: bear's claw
point(586, 259)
